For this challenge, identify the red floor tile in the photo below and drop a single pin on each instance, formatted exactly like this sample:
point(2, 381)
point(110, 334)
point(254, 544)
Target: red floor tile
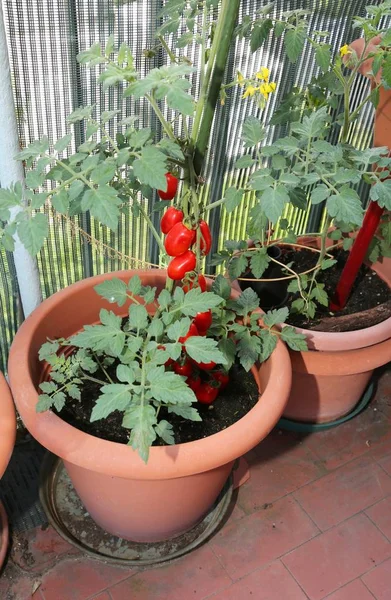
point(374, 427)
point(385, 463)
point(39, 548)
point(380, 514)
point(260, 538)
point(344, 492)
point(102, 596)
point(271, 583)
point(326, 563)
point(196, 575)
point(282, 466)
point(378, 581)
point(80, 579)
point(338, 445)
point(383, 394)
point(355, 590)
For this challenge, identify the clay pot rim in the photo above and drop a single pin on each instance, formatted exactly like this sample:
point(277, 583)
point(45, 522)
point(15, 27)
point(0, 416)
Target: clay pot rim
point(7, 424)
point(165, 462)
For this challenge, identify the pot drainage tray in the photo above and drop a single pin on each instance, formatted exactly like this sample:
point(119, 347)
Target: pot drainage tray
point(68, 516)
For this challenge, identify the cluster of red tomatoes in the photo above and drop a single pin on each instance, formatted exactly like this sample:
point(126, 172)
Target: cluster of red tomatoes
point(181, 238)
point(203, 378)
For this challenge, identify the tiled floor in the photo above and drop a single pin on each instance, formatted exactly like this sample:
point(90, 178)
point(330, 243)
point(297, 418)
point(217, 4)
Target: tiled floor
point(313, 522)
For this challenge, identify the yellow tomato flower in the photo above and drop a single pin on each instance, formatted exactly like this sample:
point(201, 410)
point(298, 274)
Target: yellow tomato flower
point(264, 90)
point(272, 86)
point(263, 74)
point(240, 79)
point(345, 50)
point(250, 91)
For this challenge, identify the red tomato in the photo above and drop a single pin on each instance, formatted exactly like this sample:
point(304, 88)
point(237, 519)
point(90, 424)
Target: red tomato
point(201, 283)
point(206, 393)
point(171, 217)
point(185, 369)
point(194, 382)
point(192, 331)
point(205, 366)
point(180, 265)
point(203, 320)
point(221, 377)
point(206, 238)
point(179, 239)
point(172, 187)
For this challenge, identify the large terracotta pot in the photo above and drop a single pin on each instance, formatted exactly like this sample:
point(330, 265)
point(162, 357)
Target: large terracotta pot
point(126, 497)
point(7, 441)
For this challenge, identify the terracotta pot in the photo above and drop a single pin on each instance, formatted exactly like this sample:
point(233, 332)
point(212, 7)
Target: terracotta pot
point(330, 378)
point(126, 497)
point(7, 441)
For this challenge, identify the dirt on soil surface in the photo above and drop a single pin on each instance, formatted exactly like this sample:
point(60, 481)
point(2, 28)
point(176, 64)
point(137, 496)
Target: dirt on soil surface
point(238, 398)
point(369, 291)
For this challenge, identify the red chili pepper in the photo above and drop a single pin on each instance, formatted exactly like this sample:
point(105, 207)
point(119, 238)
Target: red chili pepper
point(221, 377)
point(207, 393)
point(194, 382)
point(203, 320)
point(180, 265)
point(206, 238)
point(179, 239)
point(201, 284)
point(192, 331)
point(171, 217)
point(185, 369)
point(172, 187)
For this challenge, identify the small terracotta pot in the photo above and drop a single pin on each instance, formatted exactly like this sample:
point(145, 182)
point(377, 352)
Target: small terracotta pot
point(126, 497)
point(330, 378)
point(7, 441)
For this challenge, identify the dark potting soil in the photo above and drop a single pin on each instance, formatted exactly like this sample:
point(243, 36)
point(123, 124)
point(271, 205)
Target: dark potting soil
point(238, 398)
point(369, 291)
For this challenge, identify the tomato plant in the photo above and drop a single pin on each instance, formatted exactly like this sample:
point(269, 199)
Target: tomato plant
point(172, 187)
point(180, 265)
point(179, 239)
point(171, 217)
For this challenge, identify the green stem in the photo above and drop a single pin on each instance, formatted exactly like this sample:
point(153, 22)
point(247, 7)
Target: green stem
point(167, 49)
point(210, 91)
point(152, 228)
point(360, 106)
point(94, 379)
point(166, 126)
point(102, 367)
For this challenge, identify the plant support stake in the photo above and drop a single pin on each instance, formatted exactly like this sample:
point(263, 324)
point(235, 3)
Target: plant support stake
point(382, 137)
point(11, 171)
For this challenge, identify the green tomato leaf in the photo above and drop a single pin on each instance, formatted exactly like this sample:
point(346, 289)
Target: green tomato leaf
point(346, 206)
point(294, 42)
point(273, 201)
point(275, 317)
point(33, 232)
point(138, 317)
point(296, 341)
point(253, 132)
point(259, 262)
point(113, 290)
point(232, 198)
point(115, 396)
point(165, 430)
point(205, 350)
point(151, 168)
point(141, 419)
point(103, 203)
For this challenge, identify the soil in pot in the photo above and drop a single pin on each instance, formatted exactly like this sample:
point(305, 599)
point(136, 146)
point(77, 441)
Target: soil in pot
point(272, 294)
point(369, 302)
point(238, 398)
